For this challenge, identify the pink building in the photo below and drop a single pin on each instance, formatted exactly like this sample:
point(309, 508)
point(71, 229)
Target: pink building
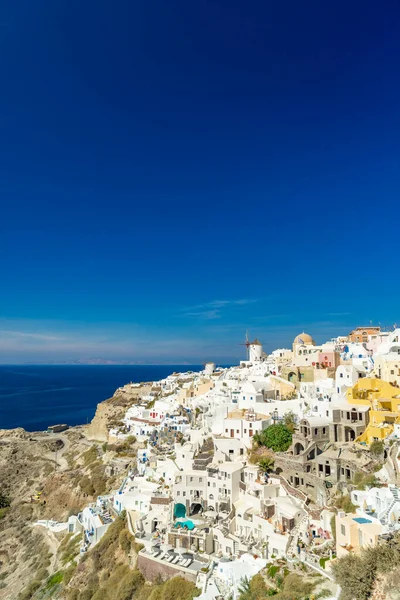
point(328, 359)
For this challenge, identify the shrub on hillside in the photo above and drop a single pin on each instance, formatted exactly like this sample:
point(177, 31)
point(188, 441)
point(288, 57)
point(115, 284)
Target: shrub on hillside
point(276, 437)
point(176, 588)
point(377, 449)
point(344, 503)
point(125, 540)
point(363, 480)
point(89, 456)
point(355, 575)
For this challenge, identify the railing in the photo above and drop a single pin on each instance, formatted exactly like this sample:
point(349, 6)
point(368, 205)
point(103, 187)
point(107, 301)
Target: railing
point(224, 497)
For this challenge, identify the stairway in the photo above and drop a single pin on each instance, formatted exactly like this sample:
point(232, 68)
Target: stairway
point(294, 536)
point(396, 498)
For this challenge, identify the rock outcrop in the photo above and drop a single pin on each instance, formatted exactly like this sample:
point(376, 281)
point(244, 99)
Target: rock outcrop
point(110, 412)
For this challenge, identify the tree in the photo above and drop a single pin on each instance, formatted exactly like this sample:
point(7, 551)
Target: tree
point(266, 463)
point(276, 437)
point(244, 589)
point(376, 449)
point(289, 419)
point(355, 575)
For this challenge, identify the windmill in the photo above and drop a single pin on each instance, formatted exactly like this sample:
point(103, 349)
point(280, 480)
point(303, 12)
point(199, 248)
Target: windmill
point(247, 344)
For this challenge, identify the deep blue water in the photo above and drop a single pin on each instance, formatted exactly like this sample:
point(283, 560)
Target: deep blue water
point(35, 397)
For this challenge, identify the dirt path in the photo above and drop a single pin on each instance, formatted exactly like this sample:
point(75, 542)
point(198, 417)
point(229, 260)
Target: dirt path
point(52, 543)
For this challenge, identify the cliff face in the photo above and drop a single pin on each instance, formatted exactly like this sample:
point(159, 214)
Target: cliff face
point(101, 422)
point(110, 412)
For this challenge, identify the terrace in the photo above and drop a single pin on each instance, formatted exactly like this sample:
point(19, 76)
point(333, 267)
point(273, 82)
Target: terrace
point(179, 559)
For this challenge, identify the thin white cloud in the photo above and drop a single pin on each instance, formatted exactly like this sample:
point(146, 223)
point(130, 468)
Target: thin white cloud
point(28, 334)
point(214, 309)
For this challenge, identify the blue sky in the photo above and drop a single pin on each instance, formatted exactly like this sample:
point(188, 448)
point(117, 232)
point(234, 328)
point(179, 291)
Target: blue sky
point(173, 173)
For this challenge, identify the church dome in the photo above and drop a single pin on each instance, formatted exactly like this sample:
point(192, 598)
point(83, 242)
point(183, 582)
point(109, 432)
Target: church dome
point(303, 339)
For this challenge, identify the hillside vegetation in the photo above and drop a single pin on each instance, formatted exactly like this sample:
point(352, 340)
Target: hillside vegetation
point(375, 573)
point(108, 572)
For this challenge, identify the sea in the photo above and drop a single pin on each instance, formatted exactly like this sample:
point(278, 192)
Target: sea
point(34, 397)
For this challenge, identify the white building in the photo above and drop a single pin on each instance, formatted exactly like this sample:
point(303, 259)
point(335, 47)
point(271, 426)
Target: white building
point(244, 426)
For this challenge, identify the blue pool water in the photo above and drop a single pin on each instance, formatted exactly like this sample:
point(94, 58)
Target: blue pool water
point(361, 520)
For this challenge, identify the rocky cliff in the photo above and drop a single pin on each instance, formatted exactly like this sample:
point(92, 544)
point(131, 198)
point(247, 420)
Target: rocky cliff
point(110, 412)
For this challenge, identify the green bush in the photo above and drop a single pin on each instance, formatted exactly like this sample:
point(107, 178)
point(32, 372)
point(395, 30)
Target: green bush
point(355, 575)
point(272, 571)
point(276, 437)
point(363, 480)
point(54, 580)
point(71, 549)
point(3, 512)
point(4, 500)
point(344, 503)
point(377, 449)
point(289, 419)
point(323, 561)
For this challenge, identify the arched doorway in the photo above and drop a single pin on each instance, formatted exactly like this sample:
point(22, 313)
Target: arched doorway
point(298, 449)
point(179, 511)
point(196, 509)
point(349, 434)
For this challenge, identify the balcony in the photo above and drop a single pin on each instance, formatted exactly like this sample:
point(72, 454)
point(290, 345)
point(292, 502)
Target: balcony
point(224, 498)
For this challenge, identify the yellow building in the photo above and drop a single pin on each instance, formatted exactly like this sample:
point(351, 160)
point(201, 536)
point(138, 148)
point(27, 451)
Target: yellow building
point(384, 402)
point(354, 532)
point(192, 389)
point(387, 367)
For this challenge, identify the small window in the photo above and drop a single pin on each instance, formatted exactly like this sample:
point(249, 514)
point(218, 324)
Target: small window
point(343, 530)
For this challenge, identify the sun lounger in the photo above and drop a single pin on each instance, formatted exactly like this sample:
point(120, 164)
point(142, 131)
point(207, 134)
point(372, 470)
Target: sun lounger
point(170, 558)
point(176, 559)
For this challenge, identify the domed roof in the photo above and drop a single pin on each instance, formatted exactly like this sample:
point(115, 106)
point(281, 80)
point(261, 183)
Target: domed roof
point(304, 338)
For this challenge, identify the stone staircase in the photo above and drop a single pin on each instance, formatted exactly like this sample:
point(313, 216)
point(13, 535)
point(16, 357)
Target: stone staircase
point(294, 536)
point(396, 498)
point(292, 491)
